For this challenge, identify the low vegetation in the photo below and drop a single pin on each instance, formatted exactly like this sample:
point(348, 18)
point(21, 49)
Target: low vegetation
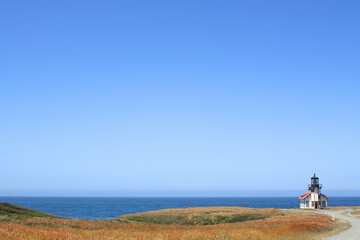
point(341, 208)
point(356, 213)
point(9, 210)
point(199, 216)
point(190, 223)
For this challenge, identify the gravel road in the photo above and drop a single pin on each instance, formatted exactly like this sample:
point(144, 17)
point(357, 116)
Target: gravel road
point(353, 233)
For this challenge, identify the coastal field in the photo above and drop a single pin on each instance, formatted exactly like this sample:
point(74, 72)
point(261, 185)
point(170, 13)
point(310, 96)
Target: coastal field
point(342, 208)
point(355, 211)
point(188, 223)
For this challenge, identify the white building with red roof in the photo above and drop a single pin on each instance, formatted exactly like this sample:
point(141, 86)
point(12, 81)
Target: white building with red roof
point(314, 199)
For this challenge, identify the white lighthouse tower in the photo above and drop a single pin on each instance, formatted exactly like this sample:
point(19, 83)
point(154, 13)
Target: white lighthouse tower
point(314, 198)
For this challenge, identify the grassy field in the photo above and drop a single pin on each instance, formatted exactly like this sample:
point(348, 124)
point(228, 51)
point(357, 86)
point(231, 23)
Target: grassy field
point(9, 210)
point(341, 208)
point(355, 210)
point(189, 223)
point(200, 216)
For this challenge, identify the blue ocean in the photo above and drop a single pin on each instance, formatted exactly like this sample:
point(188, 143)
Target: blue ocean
point(111, 207)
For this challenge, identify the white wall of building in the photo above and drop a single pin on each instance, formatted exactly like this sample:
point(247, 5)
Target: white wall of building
point(309, 202)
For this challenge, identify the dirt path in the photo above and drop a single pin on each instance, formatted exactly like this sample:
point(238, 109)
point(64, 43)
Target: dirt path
point(353, 233)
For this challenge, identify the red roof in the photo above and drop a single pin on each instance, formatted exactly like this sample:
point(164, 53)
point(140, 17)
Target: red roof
point(305, 195)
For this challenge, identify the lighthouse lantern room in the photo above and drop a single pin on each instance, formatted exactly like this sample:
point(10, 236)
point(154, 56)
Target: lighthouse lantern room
point(314, 198)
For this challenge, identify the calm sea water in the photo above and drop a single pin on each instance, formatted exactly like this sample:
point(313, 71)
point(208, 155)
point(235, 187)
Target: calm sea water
point(111, 207)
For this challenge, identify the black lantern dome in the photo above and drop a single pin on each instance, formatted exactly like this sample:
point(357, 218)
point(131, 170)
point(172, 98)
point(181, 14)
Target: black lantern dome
point(315, 181)
point(315, 184)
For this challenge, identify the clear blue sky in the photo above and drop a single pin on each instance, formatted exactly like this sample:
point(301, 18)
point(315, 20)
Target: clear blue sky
point(134, 97)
